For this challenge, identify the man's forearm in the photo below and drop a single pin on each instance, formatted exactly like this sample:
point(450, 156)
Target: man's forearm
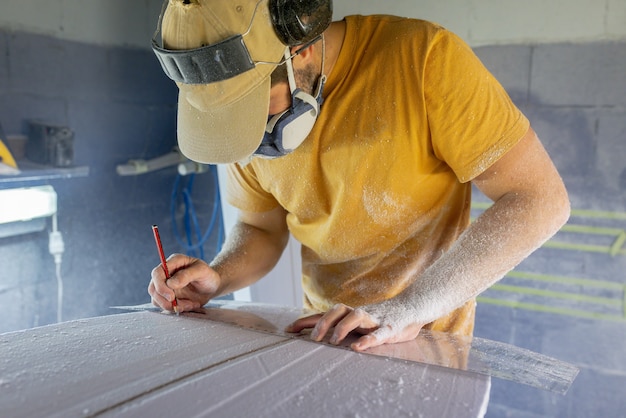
point(247, 255)
point(505, 234)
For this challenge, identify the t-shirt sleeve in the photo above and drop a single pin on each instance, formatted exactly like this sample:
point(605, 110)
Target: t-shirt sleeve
point(472, 120)
point(244, 191)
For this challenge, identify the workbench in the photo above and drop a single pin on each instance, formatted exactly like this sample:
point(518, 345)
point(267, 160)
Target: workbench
point(157, 364)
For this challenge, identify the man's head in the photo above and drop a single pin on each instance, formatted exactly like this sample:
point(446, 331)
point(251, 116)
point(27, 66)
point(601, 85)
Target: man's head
point(221, 53)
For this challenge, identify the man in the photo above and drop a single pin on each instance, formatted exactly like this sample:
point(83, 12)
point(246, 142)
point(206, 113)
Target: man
point(375, 183)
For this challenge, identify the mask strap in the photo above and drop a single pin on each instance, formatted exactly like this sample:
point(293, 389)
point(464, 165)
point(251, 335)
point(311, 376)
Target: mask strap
point(290, 75)
point(323, 55)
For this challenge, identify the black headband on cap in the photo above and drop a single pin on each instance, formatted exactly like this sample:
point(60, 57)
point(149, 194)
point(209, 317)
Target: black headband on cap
point(208, 64)
point(296, 22)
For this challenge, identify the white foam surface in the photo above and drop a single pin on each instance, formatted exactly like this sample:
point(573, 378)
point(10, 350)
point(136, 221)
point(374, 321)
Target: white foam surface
point(153, 364)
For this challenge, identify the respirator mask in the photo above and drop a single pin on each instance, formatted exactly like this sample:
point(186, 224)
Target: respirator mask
point(285, 131)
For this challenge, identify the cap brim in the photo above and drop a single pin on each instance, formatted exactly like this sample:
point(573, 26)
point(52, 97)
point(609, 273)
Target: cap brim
point(226, 134)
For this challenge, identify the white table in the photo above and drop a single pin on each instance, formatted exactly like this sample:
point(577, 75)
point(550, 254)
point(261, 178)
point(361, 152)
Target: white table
point(152, 364)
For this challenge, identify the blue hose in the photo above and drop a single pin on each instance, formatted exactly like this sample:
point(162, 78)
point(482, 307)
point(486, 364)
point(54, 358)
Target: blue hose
point(191, 223)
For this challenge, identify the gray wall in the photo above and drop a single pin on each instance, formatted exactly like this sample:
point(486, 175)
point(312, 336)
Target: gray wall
point(121, 107)
point(567, 300)
point(508, 22)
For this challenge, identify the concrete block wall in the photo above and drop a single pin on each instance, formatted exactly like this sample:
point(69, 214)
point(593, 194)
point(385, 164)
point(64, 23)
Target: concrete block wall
point(111, 22)
point(479, 22)
point(120, 106)
point(506, 22)
point(574, 95)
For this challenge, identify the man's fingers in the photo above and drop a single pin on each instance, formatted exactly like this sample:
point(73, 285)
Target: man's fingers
point(321, 323)
point(365, 342)
point(303, 323)
point(342, 318)
point(185, 305)
point(158, 285)
point(158, 299)
point(329, 320)
point(357, 319)
point(378, 337)
point(386, 335)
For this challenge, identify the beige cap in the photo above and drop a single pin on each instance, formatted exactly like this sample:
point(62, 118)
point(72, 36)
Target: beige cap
point(223, 122)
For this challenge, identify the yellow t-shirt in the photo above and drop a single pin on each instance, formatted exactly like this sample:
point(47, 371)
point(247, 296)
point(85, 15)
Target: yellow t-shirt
point(380, 188)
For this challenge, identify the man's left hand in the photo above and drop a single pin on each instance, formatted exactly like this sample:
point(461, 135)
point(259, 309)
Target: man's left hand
point(380, 324)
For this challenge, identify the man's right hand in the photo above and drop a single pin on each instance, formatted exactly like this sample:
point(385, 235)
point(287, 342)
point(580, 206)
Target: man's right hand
point(192, 282)
point(252, 249)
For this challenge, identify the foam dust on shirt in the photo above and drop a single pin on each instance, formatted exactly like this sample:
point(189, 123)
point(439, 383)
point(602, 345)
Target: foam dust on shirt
point(384, 209)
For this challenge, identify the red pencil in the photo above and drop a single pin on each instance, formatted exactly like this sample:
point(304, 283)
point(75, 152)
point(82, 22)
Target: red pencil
point(157, 239)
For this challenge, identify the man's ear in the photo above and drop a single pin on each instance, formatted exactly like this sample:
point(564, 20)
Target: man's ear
point(305, 53)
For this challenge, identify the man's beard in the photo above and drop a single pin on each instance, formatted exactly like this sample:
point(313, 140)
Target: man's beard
point(306, 78)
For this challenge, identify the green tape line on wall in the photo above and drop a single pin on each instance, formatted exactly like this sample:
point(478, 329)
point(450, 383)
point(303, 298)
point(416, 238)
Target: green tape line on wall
point(550, 309)
point(558, 295)
point(616, 248)
point(565, 280)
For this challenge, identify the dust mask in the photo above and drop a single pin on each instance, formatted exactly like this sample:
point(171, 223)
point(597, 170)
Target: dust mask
point(285, 131)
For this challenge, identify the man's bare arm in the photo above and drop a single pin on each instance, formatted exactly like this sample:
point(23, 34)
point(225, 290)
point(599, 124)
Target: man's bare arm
point(530, 205)
point(253, 248)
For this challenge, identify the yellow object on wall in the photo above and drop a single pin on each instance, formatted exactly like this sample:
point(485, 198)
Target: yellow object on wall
point(5, 156)
point(8, 166)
